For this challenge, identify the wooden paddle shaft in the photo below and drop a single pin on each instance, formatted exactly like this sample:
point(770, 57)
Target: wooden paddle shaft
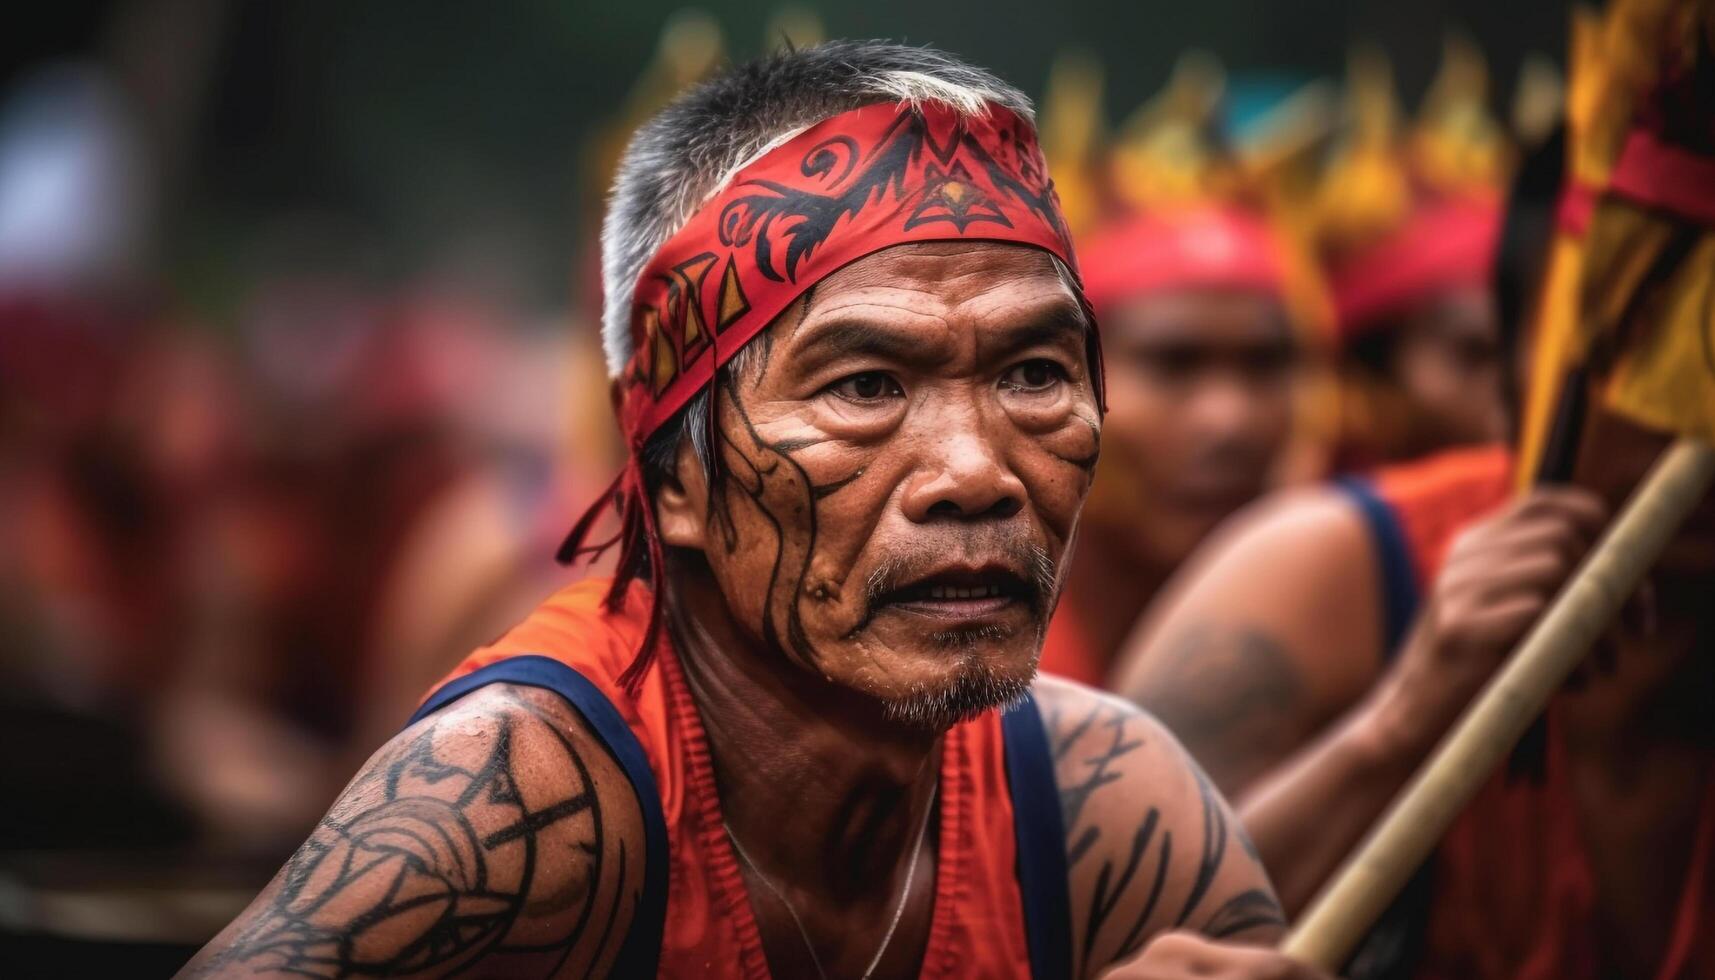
point(1348, 905)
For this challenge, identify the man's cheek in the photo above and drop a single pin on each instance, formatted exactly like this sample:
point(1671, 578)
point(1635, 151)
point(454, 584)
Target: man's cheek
point(1062, 463)
point(850, 542)
point(764, 510)
point(755, 540)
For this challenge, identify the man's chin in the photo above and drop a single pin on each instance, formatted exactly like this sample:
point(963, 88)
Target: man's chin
point(976, 685)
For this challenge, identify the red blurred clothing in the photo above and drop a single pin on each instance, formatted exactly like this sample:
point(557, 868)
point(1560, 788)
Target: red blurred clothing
point(1513, 892)
point(978, 927)
point(1067, 651)
point(1515, 896)
point(1434, 498)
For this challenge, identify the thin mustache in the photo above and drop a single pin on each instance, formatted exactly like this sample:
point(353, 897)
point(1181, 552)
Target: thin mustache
point(1041, 576)
point(1040, 573)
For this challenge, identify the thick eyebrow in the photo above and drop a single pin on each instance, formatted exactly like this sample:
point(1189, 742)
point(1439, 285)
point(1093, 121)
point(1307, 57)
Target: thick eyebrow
point(841, 338)
point(838, 339)
point(1051, 325)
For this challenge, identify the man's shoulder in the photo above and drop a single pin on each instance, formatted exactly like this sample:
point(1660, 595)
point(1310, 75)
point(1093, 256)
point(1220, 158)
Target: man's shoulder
point(1273, 625)
point(1150, 843)
point(1091, 730)
point(498, 828)
point(1294, 541)
point(521, 721)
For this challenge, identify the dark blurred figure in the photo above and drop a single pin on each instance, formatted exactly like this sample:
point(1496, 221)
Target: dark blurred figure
point(1319, 653)
point(230, 562)
point(1408, 225)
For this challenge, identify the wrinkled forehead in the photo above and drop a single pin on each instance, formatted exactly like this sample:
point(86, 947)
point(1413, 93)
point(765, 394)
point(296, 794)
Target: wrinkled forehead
point(936, 292)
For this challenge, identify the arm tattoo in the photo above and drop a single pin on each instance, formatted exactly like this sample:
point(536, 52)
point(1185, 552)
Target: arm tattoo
point(1098, 771)
point(1247, 910)
point(1102, 737)
point(1225, 693)
point(1214, 847)
point(432, 861)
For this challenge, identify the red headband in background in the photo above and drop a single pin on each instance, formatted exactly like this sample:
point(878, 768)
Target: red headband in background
point(845, 188)
point(1203, 246)
point(1446, 245)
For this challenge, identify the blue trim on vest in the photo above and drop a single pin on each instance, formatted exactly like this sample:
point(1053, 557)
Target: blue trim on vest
point(1393, 560)
point(1036, 823)
point(642, 950)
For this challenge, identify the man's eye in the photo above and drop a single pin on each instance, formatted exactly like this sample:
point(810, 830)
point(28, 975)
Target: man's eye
point(1035, 375)
point(867, 386)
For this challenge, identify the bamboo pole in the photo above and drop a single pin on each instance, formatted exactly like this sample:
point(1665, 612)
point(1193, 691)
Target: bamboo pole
point(1348, 905)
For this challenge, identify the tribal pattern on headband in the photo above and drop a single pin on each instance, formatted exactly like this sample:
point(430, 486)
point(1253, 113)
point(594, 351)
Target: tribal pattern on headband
point(845, 188)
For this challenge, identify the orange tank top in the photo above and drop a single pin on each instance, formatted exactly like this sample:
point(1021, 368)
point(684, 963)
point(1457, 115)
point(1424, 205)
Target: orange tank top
point(998, 843)
point(1511, 891)
point(1414, 511)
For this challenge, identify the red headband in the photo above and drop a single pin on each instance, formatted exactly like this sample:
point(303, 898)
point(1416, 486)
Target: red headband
point(1448, 244)
point(1216, 246)
point(845, 188)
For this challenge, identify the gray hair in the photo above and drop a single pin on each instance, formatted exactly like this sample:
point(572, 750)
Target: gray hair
point(677, 160)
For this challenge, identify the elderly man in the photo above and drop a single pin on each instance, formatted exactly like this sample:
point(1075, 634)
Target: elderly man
point(798, 732)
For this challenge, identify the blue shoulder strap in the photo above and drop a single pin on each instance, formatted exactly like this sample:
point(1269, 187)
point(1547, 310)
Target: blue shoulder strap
point(1393, 561)
point(1041, 840)
point(642, 949)
point(1395, 941)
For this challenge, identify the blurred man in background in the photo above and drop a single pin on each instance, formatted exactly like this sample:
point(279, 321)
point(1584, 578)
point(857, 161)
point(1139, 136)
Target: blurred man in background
point(1592, 855)
point(1199, 353)
point(1190, 284)
point(1407, 225)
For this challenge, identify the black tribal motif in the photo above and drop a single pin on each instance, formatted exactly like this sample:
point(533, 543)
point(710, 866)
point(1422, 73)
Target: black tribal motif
point(429, 864)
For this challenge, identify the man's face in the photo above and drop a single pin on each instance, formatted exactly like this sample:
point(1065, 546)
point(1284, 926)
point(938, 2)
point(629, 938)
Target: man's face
point(1449, 365)
point(904, 458)
point(1200, 407)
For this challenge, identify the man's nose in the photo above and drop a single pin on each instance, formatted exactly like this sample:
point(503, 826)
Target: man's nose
point(1224, 408)
point(963, 476)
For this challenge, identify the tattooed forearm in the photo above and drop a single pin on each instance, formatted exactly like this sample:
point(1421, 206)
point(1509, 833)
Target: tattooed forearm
point(449, 849)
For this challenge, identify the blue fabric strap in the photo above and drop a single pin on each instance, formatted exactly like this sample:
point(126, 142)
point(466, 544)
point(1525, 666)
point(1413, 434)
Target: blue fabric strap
point(1041, 841)
point(642, 950)
point(1393, 561)
point(1397, 936)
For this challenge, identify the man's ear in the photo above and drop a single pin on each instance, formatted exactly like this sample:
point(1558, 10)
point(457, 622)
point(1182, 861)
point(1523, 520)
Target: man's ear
point(616, 394)
point(682, 501)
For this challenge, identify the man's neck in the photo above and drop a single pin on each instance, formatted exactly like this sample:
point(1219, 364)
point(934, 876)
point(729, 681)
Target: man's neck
point(824, 793)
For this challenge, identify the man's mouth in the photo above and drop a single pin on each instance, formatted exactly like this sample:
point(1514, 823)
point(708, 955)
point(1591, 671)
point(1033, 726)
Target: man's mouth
point(960, 594)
